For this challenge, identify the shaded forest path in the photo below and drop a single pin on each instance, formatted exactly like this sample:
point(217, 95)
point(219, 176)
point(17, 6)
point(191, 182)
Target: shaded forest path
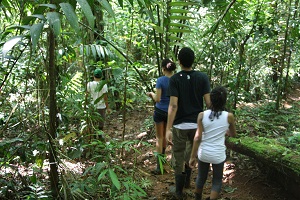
point(243, 179)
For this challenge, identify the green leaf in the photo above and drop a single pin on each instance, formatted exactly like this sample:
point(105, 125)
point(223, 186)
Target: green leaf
point(182, 3)
point(114, 179)
point(33, 179)
point(26, 27)
point(102, 174)
point(93, 49)
point(100, 51)
point(179, 11)
point(10, 44)
point(106, 5)
point(38, 16)
point(87, 12)
point(233, 42)
point(120, 3)
point(142, 2)
point(175, 38)
point(54, 21)
point(71, 16)
point(178, 30)
point(205, 2)
point(157, 28)
point(179, 25)
point(35, 33)
point(117, 72)
point(53, 6)
point(180, 17)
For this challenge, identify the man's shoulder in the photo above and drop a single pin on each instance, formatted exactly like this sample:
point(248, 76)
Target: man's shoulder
point(199, 73)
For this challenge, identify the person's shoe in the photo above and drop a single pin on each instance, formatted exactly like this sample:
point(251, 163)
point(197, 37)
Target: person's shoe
point(198, 196)
point(177, 191)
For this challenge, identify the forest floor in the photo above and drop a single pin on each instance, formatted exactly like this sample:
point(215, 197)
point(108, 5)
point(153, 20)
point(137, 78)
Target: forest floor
point(242, 180)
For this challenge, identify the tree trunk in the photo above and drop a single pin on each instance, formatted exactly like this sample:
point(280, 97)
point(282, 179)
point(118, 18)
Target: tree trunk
point(268, 152)
point(54, 179)
point(283, 164)
point(279, 87)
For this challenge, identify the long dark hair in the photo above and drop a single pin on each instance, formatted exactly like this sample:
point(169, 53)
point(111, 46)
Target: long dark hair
point(218, 97)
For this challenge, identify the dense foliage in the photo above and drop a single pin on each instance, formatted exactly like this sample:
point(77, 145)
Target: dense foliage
point(251, 47)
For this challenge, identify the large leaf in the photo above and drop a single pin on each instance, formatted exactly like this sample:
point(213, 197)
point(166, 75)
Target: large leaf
point(87, 12)
point(179, 25)
point(35, 33)
point(52, 6)
point(158, 28)
point(10, 44)
point(183, 3)
point(93, 49)
point(102, 174)
point(54, 21)
point(39, 16)
point(180, 17)
point(105, 4)
point(179, 11)
point(179, 30)
point(71, 16)
point(100, 51)
point(174, 38)
point(21, 27)
point(114, 179)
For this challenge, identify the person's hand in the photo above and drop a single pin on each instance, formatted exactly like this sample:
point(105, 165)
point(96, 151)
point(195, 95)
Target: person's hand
point(149, 94)
point(192, 162)
point(227, 132)
point(169, 137)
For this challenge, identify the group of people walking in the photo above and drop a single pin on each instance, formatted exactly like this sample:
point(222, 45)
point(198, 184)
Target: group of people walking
point(196, 136)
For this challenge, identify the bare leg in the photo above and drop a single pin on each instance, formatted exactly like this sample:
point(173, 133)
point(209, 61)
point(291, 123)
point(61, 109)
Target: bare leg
point(160, 130)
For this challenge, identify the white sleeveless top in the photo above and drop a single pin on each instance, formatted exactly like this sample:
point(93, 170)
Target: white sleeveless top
point(212, 147)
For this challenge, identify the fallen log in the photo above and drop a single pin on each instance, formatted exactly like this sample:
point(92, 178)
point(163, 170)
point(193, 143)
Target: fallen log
point(269, 152)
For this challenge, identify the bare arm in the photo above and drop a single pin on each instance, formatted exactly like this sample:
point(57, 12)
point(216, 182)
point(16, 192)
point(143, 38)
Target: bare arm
point(197, 140)
point(207, 100)
point(106, 100)
point(155, 96)
point(172, 110)
point(231, 121)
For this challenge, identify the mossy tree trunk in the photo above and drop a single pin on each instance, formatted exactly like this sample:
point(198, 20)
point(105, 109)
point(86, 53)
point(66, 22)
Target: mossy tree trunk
point(270, 153)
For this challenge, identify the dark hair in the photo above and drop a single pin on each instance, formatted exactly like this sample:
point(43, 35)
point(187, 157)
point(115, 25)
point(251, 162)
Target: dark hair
point(218, 97)
point(186, 56)
point(168, 64)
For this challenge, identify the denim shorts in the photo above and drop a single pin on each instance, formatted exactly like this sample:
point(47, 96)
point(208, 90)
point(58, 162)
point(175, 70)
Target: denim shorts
point(160, 116)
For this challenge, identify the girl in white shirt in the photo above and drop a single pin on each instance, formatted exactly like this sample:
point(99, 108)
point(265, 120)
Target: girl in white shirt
point(209, 142)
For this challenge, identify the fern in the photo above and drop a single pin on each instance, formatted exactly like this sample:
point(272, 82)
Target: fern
point(37, 192)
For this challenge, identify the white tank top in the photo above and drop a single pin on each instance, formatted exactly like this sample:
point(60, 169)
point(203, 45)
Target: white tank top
point(212, 147)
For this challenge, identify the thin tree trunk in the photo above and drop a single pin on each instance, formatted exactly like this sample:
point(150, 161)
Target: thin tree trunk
point(290, 51)
point(279, 87)
point(54, 179)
